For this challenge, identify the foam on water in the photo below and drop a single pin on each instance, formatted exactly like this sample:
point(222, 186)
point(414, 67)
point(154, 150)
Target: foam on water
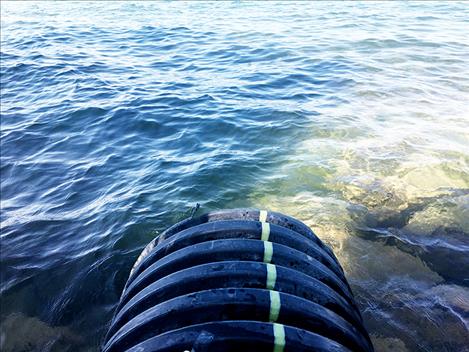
point(118, 117)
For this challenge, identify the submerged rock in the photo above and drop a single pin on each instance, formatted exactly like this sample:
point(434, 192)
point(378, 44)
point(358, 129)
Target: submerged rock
point(20, 333)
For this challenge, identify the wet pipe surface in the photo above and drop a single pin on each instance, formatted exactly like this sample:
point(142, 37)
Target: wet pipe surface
point(223, 272)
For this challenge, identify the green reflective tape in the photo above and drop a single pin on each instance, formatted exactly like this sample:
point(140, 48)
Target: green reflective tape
point(279, 337)
point(271, 276)
point(265, 231)
point(263, 216)
point(275, 305)
point(268, 251)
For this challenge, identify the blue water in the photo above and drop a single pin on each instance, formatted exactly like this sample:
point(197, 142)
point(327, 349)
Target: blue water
point(117, 118)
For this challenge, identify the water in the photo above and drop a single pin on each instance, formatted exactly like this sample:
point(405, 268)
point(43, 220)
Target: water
point(117, 118)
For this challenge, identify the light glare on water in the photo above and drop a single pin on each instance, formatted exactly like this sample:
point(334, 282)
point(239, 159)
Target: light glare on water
point(117, 117)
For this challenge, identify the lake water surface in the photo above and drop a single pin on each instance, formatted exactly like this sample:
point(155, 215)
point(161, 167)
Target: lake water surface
point(117, 118)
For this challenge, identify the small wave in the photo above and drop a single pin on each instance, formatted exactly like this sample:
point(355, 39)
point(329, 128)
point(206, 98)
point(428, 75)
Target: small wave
point(118, 117)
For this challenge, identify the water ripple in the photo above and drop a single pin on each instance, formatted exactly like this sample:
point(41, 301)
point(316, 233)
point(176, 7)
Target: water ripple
point(117, 118)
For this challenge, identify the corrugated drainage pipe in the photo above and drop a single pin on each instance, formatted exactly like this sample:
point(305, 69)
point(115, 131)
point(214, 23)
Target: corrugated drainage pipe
point(237, 280)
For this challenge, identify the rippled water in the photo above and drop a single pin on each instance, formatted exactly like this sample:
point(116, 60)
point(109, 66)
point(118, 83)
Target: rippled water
point(118, 117)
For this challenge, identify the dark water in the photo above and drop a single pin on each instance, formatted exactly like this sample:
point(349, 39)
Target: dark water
point(116, 118)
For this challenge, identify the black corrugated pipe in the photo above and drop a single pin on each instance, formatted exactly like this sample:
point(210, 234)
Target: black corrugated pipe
point(237, 280)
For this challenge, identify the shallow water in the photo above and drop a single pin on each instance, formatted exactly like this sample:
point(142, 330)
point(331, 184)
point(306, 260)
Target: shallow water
point(117, 118)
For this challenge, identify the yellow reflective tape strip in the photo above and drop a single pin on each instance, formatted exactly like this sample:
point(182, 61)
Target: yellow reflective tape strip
point(271, 276)
point(268, 251)
point(265, 231)
point(279, 337)
point(275, 305)
point(263, 215)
